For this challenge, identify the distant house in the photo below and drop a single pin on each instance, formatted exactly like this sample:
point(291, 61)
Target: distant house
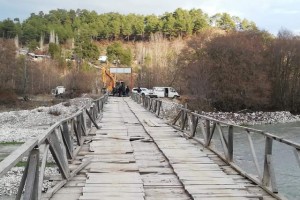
point(36, 57)
point(102, 59)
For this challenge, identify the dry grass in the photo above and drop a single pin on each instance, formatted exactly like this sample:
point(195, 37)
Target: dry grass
point(8, 97)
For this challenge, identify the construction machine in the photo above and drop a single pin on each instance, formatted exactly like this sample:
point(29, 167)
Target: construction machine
point(110, 84)
point(109, 80)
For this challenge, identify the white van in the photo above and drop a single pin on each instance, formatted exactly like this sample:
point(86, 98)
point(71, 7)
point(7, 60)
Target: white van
point(165, 92)
point(58, 91)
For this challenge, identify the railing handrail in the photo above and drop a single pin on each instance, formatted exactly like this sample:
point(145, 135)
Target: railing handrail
point(61, 148)
point(267, 134)
point(266, 179)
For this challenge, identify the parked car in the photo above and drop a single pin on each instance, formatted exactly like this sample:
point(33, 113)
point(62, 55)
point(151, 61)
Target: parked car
point(165, 92)
point(144, 91)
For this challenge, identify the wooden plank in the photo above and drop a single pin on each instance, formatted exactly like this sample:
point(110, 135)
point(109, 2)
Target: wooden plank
point(56, 151)
point(124, 196)
point(22, 182)
point(69, 196)
point(54, 189)
point(254, 154)
point(12, 159)
point(67, 139)
point(222, 198)
point(226, 196)
point(195, 188)
point(147, 170)
point(221, 192)
point(112, 167)
point(42, 170)
point(30, 191)
point(80, 167)
point(91, 118)
point(230, 144)
point(196, 166)
point(112, 189)
point(204, 179)
point(137, 186)
point(113, 180)
point(154, 180)
point(272, 174)
point(297, 155)
point(268, 151)
point(112, 157)
point(211, 174)
point(99, 197)
point(70, 190)
point(208, 182)
point(75, 183)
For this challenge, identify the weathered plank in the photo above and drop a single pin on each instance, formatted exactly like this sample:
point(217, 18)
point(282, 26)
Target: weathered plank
point(16, 156)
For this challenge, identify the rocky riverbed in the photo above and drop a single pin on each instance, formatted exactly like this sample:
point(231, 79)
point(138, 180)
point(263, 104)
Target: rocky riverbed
point(19, 126)
point(9, 183)
point(171, 108)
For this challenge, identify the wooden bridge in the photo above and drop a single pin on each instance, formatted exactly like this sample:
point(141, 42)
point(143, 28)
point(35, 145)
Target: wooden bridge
point(121, 148)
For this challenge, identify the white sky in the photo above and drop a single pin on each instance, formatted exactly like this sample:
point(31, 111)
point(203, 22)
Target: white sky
point(270, 15)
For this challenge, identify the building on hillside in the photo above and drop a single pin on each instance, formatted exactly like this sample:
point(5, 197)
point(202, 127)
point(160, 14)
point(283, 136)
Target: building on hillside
point(38, 57)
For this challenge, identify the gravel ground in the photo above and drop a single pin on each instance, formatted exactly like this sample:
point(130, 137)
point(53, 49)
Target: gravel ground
point(9, 183)
point(171, 108)
point(19, 126)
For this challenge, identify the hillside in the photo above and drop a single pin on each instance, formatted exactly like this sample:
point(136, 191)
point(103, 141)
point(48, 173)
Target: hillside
point(218, 62)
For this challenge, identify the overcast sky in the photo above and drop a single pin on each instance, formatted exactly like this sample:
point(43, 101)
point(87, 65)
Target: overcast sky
point(270, 15)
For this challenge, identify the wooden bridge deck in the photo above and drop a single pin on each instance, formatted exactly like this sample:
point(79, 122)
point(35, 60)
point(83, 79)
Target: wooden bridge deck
point(137, 156)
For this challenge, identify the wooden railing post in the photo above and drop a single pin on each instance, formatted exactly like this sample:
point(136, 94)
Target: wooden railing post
point(155, 106)
point(159, 107)
point(68, 141)
point(177, 117)
point(56, 151)
point(230, 144)
point(98, 105)
point(92, 118)
point(83, 123)
point(192, 127)
point(149, 104)
point(32, 179)
point(269, 173)
point(95, 112)
point(207, 132)
point(297, 155)
point(182, 119)
point(42, 170)
point(78, 126)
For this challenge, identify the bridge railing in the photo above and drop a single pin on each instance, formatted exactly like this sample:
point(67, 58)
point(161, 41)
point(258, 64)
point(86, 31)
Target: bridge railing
point(193, 125)
point(151, 104)
point(64, 139)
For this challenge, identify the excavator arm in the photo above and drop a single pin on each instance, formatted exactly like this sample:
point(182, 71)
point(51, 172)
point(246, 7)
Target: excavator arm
point(108, 79)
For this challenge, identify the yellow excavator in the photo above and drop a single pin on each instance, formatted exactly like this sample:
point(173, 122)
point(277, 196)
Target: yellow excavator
point(110, 84)
point(109, 80)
